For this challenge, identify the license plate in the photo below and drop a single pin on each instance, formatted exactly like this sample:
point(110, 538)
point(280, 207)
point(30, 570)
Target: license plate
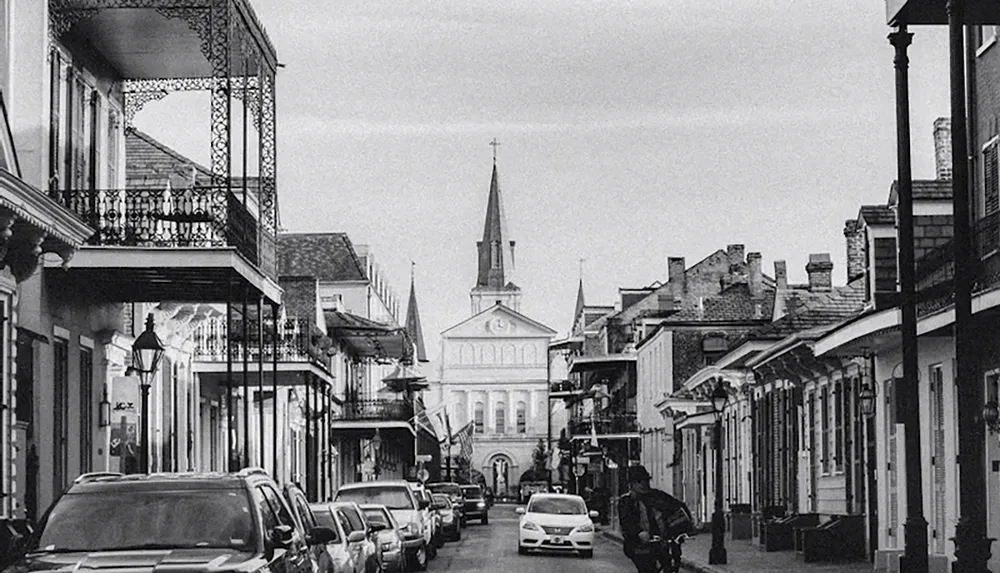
point(557, 540)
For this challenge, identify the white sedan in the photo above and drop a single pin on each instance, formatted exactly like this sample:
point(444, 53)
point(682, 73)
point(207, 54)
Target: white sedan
point(556, 522)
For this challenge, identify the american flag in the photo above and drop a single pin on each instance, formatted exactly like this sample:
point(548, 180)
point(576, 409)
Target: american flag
point(464, 439)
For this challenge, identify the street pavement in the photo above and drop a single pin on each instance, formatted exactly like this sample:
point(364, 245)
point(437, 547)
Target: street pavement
point(493, 549)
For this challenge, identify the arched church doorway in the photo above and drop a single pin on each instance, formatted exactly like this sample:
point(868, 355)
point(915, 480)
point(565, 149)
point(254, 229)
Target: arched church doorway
point(500, 470)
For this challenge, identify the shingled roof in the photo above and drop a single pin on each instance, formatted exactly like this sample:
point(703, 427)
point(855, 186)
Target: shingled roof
point(924, 190)
point(877, 215)
point(813, 310)
point(733, 304)
point(325, 256)
point(150, 163)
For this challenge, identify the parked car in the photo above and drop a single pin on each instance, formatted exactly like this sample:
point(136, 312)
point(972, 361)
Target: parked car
point(430, 517)
point(371, 551)
point(297, 502)
point(176, 521)
point(390, 538)
point(405, 507)
point(475, 504)
point(556, 522)
point(451, 528)
point(344, 550)
point(454, 491)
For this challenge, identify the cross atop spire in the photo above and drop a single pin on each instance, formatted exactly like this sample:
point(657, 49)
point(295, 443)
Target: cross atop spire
point(495, 144)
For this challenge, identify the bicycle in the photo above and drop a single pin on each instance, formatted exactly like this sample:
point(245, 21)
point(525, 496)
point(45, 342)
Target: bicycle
point(668, 552)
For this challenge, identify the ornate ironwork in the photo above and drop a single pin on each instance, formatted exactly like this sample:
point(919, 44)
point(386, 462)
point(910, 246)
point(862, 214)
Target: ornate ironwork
point(62, 21)
point(268, 155)
point(294, 341)
point(605, 424)
point(388, 410)
point(198, 19)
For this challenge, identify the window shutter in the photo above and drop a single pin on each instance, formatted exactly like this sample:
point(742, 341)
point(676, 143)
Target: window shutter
point(991, 179)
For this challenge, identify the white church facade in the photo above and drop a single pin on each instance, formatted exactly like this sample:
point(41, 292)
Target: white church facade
point(493, 369)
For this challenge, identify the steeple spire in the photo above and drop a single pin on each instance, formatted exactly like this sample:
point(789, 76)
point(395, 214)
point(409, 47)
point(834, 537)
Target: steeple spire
point(496, 254)
point(413, 328)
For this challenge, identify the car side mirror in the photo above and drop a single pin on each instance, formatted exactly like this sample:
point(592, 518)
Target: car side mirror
point(282, 536)
point(423, 504)
point(375, 527)
point(321, 536)
point(594, 514)
point(356, 537)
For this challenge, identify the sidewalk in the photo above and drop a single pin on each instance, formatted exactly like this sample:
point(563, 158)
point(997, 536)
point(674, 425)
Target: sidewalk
point(745, 557)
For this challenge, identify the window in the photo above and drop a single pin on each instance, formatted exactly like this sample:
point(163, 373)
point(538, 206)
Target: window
point(838, 421)
point(522, 426)
point(984, 36)
point(279, 508)
point(74, 127)
point(501, 417)
point(479, 418)
point(60, 411)
point(824, 415)
point(114, 123)
point(86, 409)
point(713, 347)
point(991, 195)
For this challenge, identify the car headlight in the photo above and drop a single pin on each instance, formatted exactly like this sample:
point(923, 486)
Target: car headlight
point(448, 518)
point(530, 526)
point(587, 528)
point(481, 504)
point(391, 545)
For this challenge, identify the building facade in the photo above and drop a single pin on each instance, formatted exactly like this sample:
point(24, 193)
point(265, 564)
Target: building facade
point(494, 366)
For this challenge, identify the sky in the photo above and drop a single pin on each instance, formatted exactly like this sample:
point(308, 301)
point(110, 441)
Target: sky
point(630, 131)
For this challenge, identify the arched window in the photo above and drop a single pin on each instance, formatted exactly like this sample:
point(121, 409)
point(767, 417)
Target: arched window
point(522, 423)
point(501, 417)
point(479, 414)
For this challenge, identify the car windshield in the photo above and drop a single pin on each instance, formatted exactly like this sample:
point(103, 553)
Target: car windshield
point(450, 489)
point(391, 497)
point(441, 501)
point(115, 520)
point(473, 492)
point(379, 516)
point(324, 518)
point(558, 505)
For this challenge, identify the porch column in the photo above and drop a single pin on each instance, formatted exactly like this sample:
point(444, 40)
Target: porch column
point(274, 389)
point(247, 398)
point(972, 547)
point(231, 464)
point(260, 382)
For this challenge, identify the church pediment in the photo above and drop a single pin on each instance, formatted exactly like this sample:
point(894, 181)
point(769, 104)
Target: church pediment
point(499, 321)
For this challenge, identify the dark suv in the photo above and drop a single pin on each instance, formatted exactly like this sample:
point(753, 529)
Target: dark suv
point(475, 504)
point(183, 522)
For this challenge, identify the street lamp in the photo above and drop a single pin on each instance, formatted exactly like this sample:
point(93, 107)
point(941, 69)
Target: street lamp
point(717, 554)
point(867, 395)
point(147, 351)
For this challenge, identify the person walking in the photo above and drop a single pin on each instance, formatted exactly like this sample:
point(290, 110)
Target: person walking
point(649, 518)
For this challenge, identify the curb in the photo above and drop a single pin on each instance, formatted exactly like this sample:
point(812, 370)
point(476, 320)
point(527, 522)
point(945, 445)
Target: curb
point(686, 564)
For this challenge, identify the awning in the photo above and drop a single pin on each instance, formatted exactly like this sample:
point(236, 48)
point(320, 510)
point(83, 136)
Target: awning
point(604, 362)
point(571, 343)
point(366, 337)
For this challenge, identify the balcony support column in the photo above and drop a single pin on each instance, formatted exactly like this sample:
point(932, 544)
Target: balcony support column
point(221, 106)
point(230, 411)
point(972, 546)
point(274, 390)
point(260, 382)
point(247, 402)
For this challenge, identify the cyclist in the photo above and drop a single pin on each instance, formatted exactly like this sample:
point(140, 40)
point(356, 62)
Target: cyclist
point(650, 519)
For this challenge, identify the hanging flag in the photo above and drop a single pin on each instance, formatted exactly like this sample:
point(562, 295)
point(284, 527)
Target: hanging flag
point(593, 431)
point(464, 439)
point(442, 417)
point(422, 419)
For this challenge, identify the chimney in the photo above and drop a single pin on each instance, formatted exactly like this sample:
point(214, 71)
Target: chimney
point(781, 275)
point(942, 148)
point(756, 276)
point(820, 271)
point(735, 253)
point(675, 274)
point(855, 237)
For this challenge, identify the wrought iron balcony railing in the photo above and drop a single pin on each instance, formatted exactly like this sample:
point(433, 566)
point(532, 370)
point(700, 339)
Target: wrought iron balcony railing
point(936, 270)
point(565, 386)
point(294, 344)
point(374, 409)
point(197, 216)
point(605, 424)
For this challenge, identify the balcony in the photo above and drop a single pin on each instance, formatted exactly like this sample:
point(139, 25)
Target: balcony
point(935, 12)
point(359, 417)
point(565, 389)
point(605, 425)
point(936, 270)
point(294, 342)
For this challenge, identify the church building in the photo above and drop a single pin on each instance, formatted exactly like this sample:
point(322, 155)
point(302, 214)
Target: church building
point(493, 365)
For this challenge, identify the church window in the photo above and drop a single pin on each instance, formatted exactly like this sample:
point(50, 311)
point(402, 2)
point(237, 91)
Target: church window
point(521, 421)
point(495, 252)
point(479, 414)
point(501, 417)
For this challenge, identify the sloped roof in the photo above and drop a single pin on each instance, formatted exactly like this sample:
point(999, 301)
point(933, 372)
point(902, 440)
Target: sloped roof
point(325, 256)
point(821, 311)
point(413, 328)
point(151, 163)
point(877, 215)
point(924, 190)
point(495, 234)
point(732, 304)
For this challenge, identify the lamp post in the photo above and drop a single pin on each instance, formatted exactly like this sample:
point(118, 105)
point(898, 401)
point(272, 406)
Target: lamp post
point(147, 350)
point(867, 396)
point(717, 554)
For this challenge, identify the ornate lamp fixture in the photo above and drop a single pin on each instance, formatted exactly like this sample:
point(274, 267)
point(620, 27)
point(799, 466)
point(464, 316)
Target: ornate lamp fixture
point(867, 396)
point(147, 351)
point(991, 416)
point(104, 410)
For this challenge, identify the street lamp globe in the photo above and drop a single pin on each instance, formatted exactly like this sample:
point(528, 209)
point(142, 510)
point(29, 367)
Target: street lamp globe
point(147, 351)
point(377, 441)
point(866, 399)
point(719, 398)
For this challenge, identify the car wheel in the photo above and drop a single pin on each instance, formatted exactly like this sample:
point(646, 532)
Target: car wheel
point(432, 551)
point(521, 550)
point(420, 559)
point(485, 520)
point(587, 554)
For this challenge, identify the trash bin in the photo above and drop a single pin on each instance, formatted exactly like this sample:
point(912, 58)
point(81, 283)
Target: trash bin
point(740, 521)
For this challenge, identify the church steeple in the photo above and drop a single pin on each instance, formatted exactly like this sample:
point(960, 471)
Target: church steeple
point(494, 281)
point(413, 328)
